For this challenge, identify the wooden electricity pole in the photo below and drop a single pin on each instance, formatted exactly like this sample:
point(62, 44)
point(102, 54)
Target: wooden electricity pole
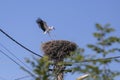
point(57, 50)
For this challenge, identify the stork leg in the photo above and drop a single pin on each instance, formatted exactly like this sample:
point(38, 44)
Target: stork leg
point(50, 35)
point(53, 34)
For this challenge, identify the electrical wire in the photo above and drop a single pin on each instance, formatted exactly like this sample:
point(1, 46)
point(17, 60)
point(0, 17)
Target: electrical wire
point(19, 43)
point(10, 58)
point(22, 77)
point(17, 63)
point(103, 59)
point(14, 56)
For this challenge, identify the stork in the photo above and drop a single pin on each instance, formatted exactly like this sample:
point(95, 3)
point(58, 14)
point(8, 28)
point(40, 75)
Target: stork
point(43, 25)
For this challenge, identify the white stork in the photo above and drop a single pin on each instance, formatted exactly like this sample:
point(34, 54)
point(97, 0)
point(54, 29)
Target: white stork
point(43, 25)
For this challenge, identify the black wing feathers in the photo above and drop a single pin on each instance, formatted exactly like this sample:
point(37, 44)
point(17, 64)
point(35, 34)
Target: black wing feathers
point(42, 24)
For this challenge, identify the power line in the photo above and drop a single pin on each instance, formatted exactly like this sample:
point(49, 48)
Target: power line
point(91, 60)
point(103, 59)
point(19, 43)
point(17, 63)
point(14, 56)
point(10, 58)
point(22, 77)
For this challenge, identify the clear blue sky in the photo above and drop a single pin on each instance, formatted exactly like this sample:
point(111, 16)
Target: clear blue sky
point(74, 20)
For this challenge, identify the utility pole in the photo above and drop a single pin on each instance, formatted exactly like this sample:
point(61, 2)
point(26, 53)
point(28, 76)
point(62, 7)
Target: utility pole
point(57, 51)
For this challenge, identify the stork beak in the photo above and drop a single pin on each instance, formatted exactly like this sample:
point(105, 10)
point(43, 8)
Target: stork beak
point(53, 27)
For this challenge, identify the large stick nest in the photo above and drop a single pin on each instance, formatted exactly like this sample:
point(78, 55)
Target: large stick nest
point(58, 49)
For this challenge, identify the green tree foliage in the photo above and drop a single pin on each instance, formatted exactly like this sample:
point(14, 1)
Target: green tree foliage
point(104, 47)
point(97, 64)
point(41, 68)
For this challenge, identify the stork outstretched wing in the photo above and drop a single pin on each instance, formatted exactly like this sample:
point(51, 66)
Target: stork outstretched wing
point(42, 24)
